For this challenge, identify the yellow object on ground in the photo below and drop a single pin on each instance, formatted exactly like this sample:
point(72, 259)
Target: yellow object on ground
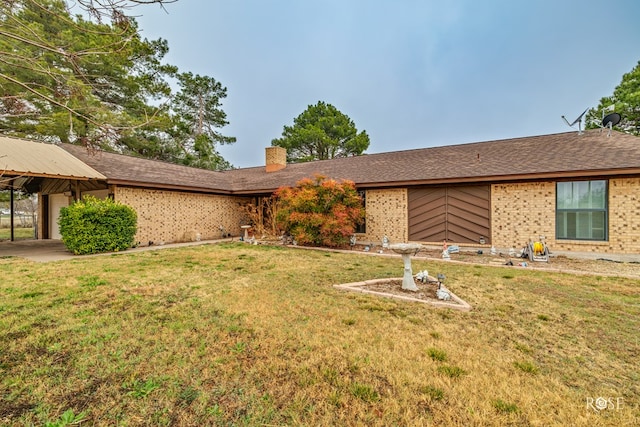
point(538, 248)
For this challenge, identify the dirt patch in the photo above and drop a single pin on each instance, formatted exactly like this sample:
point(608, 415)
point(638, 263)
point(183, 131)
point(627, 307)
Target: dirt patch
point(13, 410)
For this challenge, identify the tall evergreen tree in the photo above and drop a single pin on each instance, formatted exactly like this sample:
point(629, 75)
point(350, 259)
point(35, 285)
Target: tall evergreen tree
point(92, 79)
point(321, 132)
point(73, 79)
point(197, 117)
point(625, 101)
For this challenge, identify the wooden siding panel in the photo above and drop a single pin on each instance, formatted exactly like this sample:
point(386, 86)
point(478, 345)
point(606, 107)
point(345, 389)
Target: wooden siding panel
point(458, 214)
point(435, 229)
point(460, 208)
point(465, 215)
point(427, 214)
point(434, 234)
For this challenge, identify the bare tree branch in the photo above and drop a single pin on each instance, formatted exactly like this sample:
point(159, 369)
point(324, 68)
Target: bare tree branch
point(70, 78)
point(49, 99)
point(114, 9)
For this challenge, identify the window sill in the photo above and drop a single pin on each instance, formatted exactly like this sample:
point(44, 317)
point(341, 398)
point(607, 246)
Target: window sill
point(583, 242)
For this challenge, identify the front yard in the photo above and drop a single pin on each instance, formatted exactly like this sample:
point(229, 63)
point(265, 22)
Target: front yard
point(233, 334)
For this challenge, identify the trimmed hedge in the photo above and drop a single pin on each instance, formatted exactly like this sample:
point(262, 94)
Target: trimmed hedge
point(91, 226)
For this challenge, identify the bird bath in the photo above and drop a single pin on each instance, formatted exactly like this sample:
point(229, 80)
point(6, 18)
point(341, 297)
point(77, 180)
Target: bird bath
point(246, 232)
point(406, 250)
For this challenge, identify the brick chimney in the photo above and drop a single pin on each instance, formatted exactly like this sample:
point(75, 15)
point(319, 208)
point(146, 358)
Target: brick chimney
point(276, 158)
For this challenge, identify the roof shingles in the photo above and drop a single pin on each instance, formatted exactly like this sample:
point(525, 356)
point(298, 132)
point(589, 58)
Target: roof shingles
point(121, 169)
point(555, 155)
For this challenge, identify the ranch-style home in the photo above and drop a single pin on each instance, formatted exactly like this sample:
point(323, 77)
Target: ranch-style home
point(580, 191)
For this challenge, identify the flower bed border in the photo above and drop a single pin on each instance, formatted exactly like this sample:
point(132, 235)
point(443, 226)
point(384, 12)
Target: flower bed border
point(457, 303)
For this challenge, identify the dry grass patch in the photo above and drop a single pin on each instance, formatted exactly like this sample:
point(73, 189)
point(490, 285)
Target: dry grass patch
point(235, 334)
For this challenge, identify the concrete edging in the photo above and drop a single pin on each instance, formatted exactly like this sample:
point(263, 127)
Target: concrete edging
point(459, 303)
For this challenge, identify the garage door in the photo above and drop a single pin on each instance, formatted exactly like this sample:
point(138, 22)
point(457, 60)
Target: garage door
point(457, 214)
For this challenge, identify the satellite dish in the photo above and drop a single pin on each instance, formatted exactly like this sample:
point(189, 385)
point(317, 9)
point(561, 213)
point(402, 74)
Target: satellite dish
point(578, 120)
point(610, 120)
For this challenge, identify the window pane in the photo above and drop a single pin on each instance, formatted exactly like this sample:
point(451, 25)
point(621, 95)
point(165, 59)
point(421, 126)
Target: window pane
point(563, 194)
point(561, 225)
point(582, 199)
point(598, 193)
point(598, 225)
point(571, 225)
point(583, 225)
point(362, 227)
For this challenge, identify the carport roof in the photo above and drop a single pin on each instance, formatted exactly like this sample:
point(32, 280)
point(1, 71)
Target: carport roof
point(23, 158)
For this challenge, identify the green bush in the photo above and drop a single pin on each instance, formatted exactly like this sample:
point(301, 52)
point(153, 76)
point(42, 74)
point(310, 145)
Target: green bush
point(92, 226)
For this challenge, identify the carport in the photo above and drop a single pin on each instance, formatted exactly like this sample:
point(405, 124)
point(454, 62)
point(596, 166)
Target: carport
point(43, 169)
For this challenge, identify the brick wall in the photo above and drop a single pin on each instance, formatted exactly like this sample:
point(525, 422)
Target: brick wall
point(520, 212)
point(387, 212)
point(527, 210)
point(624, 221)
point(172, 216)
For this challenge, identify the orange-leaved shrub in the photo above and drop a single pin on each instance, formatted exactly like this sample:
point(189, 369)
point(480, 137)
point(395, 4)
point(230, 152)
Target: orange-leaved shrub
point(320, 211)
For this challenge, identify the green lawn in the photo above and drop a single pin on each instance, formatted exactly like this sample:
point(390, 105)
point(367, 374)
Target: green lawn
point(18, 233)
point(234, 334)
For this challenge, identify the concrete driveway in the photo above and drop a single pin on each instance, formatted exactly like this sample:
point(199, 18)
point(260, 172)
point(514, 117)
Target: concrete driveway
point(36, 250)
point(54, 250)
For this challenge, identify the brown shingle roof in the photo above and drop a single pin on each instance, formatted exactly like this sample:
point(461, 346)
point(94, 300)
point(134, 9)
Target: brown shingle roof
point(537, 157)
point(120, 169)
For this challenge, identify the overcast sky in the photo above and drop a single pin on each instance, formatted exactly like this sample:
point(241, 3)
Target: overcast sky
point(412, 73)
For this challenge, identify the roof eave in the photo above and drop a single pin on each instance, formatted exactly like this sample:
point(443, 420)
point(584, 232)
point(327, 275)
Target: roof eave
point(20, 174)
point(505, 178)
point(475, 179)
point(162, 186)
point(254, 192)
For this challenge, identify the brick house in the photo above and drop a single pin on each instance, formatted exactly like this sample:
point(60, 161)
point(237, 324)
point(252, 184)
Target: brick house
point(580, 191)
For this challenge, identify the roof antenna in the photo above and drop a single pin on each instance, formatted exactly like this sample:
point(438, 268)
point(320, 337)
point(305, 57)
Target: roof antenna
point(578, 120)
point(610, 120)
